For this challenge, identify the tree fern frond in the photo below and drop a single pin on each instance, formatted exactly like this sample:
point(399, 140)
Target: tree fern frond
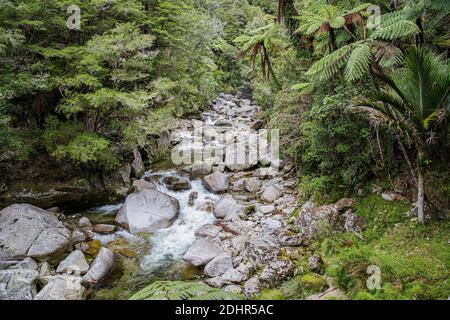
point(358, 62)
point(398, 30)
point(180, 290)
point(331, 63)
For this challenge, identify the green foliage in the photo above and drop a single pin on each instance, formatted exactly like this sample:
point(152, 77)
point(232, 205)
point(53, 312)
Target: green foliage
point(334, 144)
point(179, 290)
point(88, 149)
point(271, 294)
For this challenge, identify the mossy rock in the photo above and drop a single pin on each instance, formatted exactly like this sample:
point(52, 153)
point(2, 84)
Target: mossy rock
point(271, 294)
point(312, 281)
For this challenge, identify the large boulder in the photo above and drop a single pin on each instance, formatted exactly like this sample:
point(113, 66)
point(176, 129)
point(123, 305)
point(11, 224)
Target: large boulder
point(62, 287)
point(26, 230)
point(18, 284)
point(202, 252)
point(148, 211)
point(102, 266)
point(217, 182)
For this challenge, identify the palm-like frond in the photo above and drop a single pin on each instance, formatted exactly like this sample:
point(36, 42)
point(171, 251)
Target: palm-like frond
point(417, 97)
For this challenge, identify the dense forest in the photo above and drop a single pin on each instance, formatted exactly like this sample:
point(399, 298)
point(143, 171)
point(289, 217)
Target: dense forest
point(359, 91)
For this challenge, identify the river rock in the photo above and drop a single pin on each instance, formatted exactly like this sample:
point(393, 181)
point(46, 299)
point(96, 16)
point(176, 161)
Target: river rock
point(317, 221)
point(271, 226)
point(257, 125)
point(78, 237)
point(252, 185)
point(18, 284)
point(176, 184)
point(192, 197)
point(139, 185)
point(104, 228)
point(27, 263)
point(119, 182)
point(84, 223)
point(219, 265)
point(233, 288)
point(26, 230)
point(207, 207)
point(137, 165)
point(202, 252)
point(208, 231)
point(62, 287)
point(102, 266)
point(252, 287)
point(148, 211)
point(217, 182)
point(267, 209)
point(74, 263)
point(271, 194)
point(200, 170)
point(274, 273)
point(234, 276)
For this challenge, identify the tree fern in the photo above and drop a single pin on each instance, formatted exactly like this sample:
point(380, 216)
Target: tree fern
point(330, 64)
point(358, 63)
point(397, 30)
point(180, 290)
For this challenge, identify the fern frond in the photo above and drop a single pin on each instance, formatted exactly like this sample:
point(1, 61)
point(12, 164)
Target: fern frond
point(358, 62)
point(180, 290)
point(330, 64)
point(398, 30)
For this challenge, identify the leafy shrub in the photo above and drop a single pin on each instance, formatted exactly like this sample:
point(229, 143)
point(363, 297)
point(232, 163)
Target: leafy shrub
point(88, 149)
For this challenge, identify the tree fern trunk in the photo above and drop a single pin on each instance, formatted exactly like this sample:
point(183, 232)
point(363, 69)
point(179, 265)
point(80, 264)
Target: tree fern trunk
point(420, 189)
point(333, 40)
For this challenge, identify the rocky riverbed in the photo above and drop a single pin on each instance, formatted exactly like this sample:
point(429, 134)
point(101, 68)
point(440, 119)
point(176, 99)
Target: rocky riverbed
point(233, 222)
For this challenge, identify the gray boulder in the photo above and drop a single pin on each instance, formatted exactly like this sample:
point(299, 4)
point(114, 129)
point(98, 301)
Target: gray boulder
point(271, 194)
point(137, 165)
point(199, 170)
point(62, 287)
point(252, 185)
point(217, 182)
point(18, 284)
point(225, 207)
point(102, 266)
point(252, 287)
point(176, 184)
point(202, 252)
point(139, 185)
point(26, 230)
point(148, 211)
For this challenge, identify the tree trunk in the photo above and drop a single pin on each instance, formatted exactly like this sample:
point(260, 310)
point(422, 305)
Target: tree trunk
point(420, 190)
point(333, 40)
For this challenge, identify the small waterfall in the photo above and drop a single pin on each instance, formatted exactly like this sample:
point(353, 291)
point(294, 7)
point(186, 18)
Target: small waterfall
point(169, 245)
